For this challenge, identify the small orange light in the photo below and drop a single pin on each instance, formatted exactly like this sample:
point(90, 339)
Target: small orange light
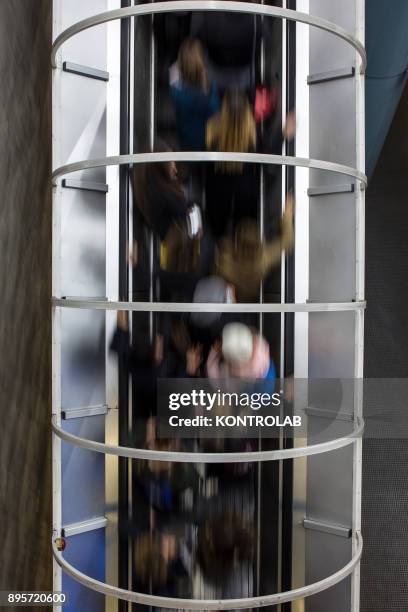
point(60, 544)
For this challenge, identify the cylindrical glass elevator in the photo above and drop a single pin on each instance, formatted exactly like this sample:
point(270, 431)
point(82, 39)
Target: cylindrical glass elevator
point(297, 495)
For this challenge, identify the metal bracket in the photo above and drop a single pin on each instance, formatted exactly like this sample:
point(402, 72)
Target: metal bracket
point(79, 298)
point(338, 530)
point(99, 522)
point(78, 413)
point(85, 185)
point(330, 190)
point(331, 75)
point(86, 71)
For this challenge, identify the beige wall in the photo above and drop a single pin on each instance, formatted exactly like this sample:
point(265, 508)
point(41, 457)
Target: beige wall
point(25, 289)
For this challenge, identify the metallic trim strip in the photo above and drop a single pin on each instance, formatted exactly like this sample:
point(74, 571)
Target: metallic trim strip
point(208, 5)
point(191, 457)
point(85, 185)
point(338, 530)
point(84, 526)
point(86, 71)
point(211, 604)
point(95, 304)
point(83, 298)
point(87, 411)
point(329, 190)
point(331, 75)
point(209, 156)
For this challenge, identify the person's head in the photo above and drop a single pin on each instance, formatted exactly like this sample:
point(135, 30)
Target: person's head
point(245, 352)
point(237, 344)
point(191, 64)
point(161, 176)
point(211, 290)
point(234, 130)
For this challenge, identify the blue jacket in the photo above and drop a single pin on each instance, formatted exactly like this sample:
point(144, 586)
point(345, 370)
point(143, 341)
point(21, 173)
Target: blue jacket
point(193, 109)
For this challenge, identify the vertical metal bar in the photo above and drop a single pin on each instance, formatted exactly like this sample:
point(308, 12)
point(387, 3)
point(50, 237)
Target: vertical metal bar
point(131, 131)
point(113, 35)
point(301, 272)
point(56, 390)
point(151, 144)
point(261, 321)
point(130, 288)
point(152, 125)
point(283, 299)
point(287, 470)
point(55, 312)
point(359, 317)
point(123, 383)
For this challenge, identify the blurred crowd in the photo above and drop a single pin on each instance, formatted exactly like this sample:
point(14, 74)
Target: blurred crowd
point(207, 244)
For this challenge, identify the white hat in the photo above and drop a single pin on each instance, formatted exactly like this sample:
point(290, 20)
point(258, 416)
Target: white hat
point(237, 343)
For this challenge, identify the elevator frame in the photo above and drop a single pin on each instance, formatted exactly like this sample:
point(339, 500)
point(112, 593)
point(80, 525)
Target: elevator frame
point(353, 306)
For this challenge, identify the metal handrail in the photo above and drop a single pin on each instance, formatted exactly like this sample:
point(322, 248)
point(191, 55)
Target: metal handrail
point(193, 457)
point(89, 304)
point(209, 5)
point(210, 156)
point(211, 604)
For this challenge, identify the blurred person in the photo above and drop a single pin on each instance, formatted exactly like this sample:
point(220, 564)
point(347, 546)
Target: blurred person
point(169, 487)
point(205, 327)
point(186, 251)
point(233, 187)
point(241, 353)
point(158, 194)
point(186, 255)
point(142, 359)
point(232, 129)
point(194, 333)
point(159, 563)
point(166, 356)
point(244, 259)
point(194, 96)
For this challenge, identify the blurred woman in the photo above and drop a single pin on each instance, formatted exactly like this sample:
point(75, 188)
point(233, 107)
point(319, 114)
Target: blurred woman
point(195, 98)
point(232, 129)
point(232, 187)
point(159, 195)
point(186, 252)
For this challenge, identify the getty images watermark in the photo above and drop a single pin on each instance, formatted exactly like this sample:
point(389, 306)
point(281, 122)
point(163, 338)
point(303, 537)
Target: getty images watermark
point(314, 409)
point(224, 400)
point(191, 408)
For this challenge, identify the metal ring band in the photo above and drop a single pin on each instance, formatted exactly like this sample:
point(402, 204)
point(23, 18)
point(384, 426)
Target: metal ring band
point(89, 304)
point(200, 5)
point(186, 457)
point(210, 156)
point(208, 604)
